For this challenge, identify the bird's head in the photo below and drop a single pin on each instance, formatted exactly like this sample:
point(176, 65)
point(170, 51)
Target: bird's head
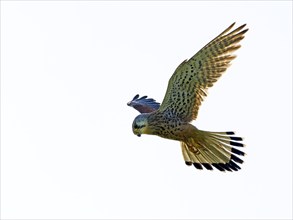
point(140, 125)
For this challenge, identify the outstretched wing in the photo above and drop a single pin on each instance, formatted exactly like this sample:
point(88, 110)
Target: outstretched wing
point(144, 104)
point(188, 85)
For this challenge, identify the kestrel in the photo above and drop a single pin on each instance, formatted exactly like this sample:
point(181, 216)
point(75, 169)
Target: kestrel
point(186, 90)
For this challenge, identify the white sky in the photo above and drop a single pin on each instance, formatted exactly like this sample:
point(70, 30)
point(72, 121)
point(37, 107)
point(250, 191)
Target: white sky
point(67, 148)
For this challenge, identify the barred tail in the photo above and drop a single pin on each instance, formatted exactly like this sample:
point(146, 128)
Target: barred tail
point(213, 149)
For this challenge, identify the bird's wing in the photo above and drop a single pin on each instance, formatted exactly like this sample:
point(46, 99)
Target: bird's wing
point(144, 104)
point(188, 85)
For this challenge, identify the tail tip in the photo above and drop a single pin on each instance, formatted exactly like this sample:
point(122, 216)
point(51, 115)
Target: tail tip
point(188, 163)
point(230, 133)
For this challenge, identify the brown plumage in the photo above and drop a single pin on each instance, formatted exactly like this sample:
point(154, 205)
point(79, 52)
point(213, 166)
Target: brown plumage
point(186, 89)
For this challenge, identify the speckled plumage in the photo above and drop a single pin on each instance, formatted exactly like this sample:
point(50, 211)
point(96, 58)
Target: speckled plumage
point(186, 89)
point(187, 86)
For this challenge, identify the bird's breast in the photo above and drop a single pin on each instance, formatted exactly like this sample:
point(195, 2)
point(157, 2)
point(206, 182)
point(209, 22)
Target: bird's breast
point(170, 130)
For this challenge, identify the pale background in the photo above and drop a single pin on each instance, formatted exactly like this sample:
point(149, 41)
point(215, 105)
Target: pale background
point(67, 148)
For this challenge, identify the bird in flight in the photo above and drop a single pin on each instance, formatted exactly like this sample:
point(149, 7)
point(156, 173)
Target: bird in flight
point(186, 90)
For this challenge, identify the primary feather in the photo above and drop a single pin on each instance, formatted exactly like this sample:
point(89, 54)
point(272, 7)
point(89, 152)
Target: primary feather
point(144, 104)
point(188, 85)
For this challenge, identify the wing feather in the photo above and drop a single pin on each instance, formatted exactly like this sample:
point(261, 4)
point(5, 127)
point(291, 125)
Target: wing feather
point(144, 104)
point(188, 85)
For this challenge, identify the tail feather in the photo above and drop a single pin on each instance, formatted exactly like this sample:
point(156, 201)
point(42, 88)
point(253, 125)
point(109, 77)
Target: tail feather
point(213, 150)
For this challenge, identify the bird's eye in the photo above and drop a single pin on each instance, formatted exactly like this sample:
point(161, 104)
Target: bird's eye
point(136, 126)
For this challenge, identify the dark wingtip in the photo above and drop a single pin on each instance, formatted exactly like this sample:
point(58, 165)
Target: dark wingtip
point(188, 163)
point(236, 159)
point(238, 152)
point(230, 132)
point(236, 144)
point(234, 166)
point(236, 138)
point(216, 165)
point(197, 166)
point(244, 31)
point(207, 166)
point(223, 167)
point(135, 97)
point(143, 97)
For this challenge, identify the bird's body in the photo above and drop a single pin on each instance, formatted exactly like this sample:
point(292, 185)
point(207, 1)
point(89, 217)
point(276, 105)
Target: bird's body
point(186, 89)
point(160, 124)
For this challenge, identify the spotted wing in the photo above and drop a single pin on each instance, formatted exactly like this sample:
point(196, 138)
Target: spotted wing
point(144, 104)
point(188, 85)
